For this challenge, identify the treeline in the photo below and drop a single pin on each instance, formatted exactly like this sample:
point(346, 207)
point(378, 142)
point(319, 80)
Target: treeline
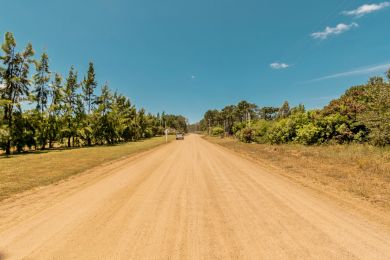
point(65, 111)
point(361, 115)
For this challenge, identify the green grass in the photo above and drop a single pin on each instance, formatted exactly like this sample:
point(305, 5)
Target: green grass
point(26, 171)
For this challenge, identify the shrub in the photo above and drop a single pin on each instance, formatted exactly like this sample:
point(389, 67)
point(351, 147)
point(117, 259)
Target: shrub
point(247, 135)
point(282, 131)
point(309, 134)
point(238, 126)
point(261, 129)
point(217, 131)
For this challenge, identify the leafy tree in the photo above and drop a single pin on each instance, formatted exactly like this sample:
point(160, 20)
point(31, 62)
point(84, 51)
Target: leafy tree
point(246, 111)
point(65, 111)
point(14, 77)
point(377, 112)
point(268, 113)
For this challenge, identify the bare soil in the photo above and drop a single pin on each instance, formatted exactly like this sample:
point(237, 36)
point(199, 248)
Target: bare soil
point(188, 199)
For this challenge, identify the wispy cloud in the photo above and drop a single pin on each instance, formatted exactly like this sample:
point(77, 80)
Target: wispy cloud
point(366, 9)
point(279, 65)
point(193, 76)
point(329, 31)
point(359, 71)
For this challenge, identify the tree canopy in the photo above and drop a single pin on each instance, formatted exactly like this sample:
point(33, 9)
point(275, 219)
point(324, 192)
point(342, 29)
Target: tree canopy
point(40, 108)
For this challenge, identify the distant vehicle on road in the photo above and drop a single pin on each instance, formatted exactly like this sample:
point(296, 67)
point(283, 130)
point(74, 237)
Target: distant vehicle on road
point(179, 136)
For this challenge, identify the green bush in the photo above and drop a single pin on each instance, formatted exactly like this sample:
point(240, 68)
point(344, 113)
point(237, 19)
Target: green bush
point(309, 134)
point(282, 131)
point(238, 126)
point(246, 135)
point(261, 129)
point(217, 131)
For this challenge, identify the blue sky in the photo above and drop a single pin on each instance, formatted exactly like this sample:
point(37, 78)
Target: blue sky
point(188, 56)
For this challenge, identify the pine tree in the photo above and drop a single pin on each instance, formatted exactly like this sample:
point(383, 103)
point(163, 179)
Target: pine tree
point(41, 93)
point(89, 85)
point(56, 92)
point(15, 79)
point(41, 80)
point(70, 99)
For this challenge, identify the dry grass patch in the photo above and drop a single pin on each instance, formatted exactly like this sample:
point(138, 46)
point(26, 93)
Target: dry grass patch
point(358, 171)
point(23, 172)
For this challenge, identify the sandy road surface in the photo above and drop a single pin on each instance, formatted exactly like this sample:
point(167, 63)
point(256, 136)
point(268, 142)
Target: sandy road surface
point(187, 200)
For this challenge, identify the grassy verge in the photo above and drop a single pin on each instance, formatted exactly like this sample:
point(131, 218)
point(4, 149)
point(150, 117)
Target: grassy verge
point(356, 171)
point(23, 172)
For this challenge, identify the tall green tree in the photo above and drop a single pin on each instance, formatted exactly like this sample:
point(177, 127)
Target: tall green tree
point(57, 94)
point(41, 93)
point(14, 75)
point(41, 80)
point(89, 85)
point(69, 106)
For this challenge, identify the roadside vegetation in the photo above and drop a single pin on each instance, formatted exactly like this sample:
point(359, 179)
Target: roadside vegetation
point(23, 172)
point(40, 109)
point(361, 115)
point(340, 149)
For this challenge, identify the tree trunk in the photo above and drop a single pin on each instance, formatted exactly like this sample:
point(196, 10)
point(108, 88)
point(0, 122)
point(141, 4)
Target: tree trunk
point(69, 141)
point(8, 148)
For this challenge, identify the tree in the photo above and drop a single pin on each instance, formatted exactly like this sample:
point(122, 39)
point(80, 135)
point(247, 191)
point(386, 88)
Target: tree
point(268, 113)
point(63, 111)
point(41, 80)
point(57, 95)
point(284, 110)
point(41, 92)
point(89, 85)
point(14, 77)
point(246, 111)
point(70, 99)
point(227, 114)
point(377, 112)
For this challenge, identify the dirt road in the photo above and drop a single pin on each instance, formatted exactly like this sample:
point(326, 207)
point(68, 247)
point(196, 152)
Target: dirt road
point(186, 200)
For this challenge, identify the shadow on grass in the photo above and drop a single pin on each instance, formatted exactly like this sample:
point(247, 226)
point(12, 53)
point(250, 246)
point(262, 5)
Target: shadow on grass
point(63, 148)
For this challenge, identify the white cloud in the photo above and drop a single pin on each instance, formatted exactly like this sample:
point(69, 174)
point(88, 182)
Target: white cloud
point(339, 29)
point(278, 66)
point(359, 71)
point(366, 9)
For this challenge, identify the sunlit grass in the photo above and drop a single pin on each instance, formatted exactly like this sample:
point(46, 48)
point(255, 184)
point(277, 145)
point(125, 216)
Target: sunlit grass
point(22, 172)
